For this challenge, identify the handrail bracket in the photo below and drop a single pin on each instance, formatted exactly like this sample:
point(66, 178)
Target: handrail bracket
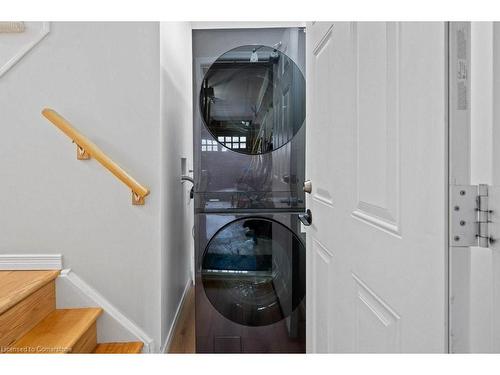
point(81, 153)
point(137, 200)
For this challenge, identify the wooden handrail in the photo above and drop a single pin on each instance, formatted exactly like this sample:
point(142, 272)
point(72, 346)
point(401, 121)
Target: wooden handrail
point(86, 149)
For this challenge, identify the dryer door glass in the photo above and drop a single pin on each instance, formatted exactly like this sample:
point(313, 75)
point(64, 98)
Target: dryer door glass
point(253, 271)
point(252, 99)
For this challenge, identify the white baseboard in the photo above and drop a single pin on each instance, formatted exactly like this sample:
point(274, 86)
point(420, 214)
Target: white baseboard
point(114, 324)
point(19, 262)
point(171, 331)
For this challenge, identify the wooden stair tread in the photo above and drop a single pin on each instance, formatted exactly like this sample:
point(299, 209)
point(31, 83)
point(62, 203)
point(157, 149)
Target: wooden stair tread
point(58, 332)
point(119, 348)
point(17, 285)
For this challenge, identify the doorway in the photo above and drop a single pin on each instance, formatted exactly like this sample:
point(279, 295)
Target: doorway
point(474, 164)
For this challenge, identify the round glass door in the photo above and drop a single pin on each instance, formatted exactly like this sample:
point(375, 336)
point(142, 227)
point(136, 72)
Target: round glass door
point(252, 99)
point(253, 271)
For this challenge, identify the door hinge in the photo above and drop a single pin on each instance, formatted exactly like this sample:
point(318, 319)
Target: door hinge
point(470, 216)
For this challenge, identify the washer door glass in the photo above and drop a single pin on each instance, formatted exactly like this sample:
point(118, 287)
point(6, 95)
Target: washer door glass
point(252, 99)
point(253, 271)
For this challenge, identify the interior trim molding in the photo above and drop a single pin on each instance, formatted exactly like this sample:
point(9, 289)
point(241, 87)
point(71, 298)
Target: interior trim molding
point(109, 308)
point(25, 49)
point(18, 262)
point(168, 341)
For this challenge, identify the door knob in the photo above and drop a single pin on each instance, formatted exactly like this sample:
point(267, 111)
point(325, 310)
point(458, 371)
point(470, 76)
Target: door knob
point(307, 186)
point(306, 218)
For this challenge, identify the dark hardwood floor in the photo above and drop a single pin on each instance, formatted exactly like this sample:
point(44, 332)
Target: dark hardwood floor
point(184, 340)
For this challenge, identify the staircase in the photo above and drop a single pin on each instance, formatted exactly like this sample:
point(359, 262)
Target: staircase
point(30, 322)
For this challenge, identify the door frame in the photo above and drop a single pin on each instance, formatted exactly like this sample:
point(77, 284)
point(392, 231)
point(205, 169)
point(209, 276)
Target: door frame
point(459, 163)
point(471, 160)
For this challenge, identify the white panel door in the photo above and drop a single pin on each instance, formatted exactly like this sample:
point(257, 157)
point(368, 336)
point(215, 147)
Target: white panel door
point(377, 160)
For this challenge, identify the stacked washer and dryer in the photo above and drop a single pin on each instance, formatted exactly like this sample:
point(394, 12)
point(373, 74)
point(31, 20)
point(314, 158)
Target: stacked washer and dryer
point(249, 153)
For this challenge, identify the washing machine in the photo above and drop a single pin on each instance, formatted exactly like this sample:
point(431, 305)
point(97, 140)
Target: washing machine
point(250, 283)
point(249, 162)
point(249, 118)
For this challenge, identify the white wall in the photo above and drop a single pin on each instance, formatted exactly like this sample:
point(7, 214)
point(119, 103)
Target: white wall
point(177, 143)
point(105, 79)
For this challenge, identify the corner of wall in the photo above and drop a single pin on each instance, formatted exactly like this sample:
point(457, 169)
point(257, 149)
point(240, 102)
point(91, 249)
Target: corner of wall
point(177, 247)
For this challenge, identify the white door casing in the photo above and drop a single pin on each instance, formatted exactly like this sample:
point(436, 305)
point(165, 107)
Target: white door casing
point(377, 158)
point(475, 159)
